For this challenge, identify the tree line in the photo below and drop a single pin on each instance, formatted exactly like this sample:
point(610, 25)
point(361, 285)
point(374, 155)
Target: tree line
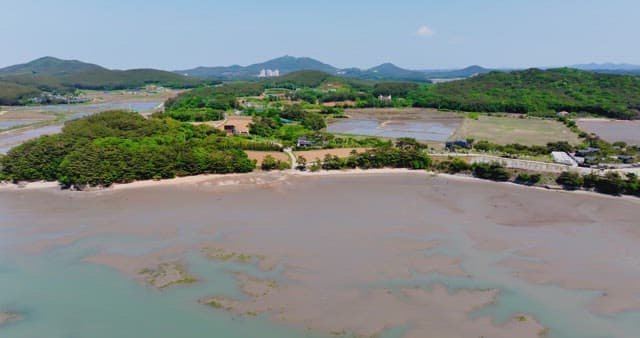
point(120, 146)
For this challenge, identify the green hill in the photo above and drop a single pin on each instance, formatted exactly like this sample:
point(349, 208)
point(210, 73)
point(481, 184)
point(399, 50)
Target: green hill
point(13, 93)
point(49, 66)
point(48, 74)
point(538, 91)
point(304, 78)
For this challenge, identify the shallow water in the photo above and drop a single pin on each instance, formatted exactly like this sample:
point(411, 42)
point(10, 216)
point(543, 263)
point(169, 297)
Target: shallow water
point(426, 131)
point(62, 295)
point(139, 106)
point(6, 124)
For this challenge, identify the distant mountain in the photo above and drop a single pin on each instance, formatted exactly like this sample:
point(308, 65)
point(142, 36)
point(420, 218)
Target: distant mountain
point(289, 64)
point(50, 66)
point(385, 71)
point(284, 64)
point(610, 68)
point(457, 73)
point(606, 66)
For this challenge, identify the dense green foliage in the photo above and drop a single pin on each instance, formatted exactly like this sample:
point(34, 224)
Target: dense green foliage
point(453, 165)
point(490, 171)
point(570, 180)
point(270, 163)
point(537, 91)
point(528, 179)
point(120, 146)
point(611, 183)
point(209, 103)
point(521, 149)
point(386, 157)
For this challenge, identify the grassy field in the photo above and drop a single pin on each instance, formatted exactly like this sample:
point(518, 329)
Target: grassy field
point(506, 130)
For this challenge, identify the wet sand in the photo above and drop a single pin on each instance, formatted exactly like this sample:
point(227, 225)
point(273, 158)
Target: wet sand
point(354, 253)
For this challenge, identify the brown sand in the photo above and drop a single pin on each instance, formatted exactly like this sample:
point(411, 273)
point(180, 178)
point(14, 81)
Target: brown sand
point(311, 155)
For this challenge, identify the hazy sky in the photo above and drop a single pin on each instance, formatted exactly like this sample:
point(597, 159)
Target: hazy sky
point(413, 33)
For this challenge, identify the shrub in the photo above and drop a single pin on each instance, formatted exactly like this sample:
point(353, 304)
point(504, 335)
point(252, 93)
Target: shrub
point(611, 183)
point(490, 171)
point(570, 180)
point(529, 179)
point(270, 163)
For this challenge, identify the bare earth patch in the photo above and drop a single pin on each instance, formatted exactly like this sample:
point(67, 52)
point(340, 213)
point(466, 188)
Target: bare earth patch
point(311, 155)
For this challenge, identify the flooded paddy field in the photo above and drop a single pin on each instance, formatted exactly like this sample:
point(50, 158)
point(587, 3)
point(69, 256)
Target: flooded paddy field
point(421, 124)
point(612, 130)
point(282, 255)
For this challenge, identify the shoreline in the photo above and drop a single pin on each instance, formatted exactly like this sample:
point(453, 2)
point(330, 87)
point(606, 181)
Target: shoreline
point(203, 178)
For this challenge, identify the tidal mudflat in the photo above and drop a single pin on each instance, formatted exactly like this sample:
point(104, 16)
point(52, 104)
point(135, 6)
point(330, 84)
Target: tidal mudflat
point(284, 255)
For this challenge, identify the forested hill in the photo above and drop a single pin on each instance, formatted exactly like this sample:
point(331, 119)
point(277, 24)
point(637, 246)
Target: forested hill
point(539, 91)
point(24, 81)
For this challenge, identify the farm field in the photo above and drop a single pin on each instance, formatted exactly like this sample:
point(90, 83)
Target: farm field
point(507, 130)
point(311, 155)
point(612, 130)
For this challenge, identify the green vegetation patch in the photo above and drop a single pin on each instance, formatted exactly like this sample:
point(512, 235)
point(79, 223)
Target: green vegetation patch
point(538, 91)
point(120, 147)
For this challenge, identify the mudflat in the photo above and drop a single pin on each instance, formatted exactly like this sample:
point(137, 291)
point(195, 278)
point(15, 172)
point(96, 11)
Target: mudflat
point(361, 254)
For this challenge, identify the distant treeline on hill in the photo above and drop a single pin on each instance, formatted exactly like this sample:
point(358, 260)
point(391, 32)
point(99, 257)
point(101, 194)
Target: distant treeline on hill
point(538, 91)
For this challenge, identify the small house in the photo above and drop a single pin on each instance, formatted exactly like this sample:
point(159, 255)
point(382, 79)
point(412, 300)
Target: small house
point(230, 129)
point(303, 142)
point(457, 144)
point(625, 158)
point(587, 152)
point(385, 98)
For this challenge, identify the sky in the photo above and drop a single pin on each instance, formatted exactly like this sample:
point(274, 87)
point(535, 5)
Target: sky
point(416, 34)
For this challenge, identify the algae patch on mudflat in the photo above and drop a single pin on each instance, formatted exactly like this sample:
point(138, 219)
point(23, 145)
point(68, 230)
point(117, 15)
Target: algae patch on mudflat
point(253, 288)
point(167, 274)
point(10, 317)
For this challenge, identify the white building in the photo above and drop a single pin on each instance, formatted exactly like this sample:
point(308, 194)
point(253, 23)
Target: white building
point(269, 73)
point(563, 158)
